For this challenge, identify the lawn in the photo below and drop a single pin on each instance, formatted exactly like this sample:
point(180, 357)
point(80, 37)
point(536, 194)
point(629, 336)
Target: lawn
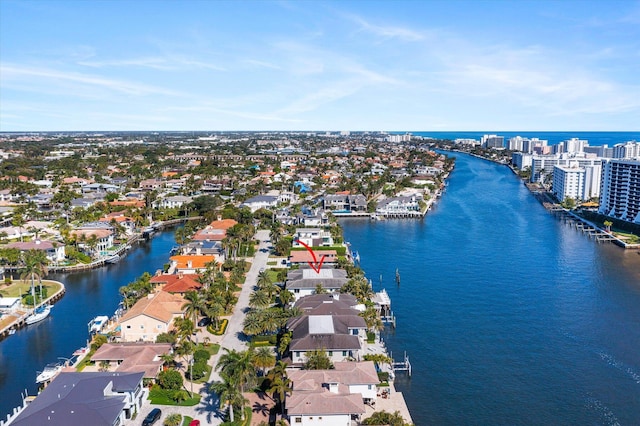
point(21, 288)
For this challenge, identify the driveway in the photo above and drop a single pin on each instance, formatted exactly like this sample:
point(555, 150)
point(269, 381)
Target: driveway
point(208, 410)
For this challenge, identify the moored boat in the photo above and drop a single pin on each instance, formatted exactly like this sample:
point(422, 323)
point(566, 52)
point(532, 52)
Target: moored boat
point(40, 313)
point(49, 372)
point(113, 259)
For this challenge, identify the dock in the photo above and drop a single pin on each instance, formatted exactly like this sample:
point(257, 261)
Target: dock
point(403, 365)
point(17, 318)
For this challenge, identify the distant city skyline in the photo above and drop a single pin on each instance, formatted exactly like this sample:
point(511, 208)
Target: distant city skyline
point(353, 65)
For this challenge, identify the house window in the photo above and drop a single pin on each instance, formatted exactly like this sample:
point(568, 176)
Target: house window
point(297, 354)
point(296, 290)
point(330, 353)
point(128, 326)
point(344, 353)
point(298, 419)
point(159, 326)
point(369, 387)
point(141, 326)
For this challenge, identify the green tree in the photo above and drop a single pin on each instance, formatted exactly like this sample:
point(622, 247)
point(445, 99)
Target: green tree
point(279, 383)
point(170, 379)
point(318, 360)
point(173, 419)
point(264, 358)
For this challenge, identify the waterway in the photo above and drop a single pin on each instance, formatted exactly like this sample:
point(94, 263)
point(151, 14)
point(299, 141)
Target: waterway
point(509, 316)
point(88, 294)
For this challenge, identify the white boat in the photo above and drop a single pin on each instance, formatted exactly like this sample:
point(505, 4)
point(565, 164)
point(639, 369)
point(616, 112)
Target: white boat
point(97, 324)
point(39, 313)
point(49, 372)
point(113, 259)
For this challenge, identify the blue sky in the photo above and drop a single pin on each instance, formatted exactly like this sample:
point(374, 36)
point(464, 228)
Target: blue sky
point(309, 65)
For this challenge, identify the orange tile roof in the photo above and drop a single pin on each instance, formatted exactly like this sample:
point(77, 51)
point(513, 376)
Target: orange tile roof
point(197, 262)
point(178, 283)
point(223, 224)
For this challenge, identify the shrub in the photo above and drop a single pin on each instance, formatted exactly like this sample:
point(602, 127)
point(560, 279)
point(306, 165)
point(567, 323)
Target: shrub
point(166, 338)
point(383, 376)
point(197, 370)
point(170, 379)
point(173, 420)
point(201, 355)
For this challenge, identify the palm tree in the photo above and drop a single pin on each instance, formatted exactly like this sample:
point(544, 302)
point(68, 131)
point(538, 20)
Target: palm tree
point(264, 358)
point(263, 279)
point(185, 327)
point(283, 345)
point(227, 392)
point(194, 305)
point(280, 382)
point(238, 367)
point(252, 324)
point(259, 299)
point(285, 297)
point(35, 265)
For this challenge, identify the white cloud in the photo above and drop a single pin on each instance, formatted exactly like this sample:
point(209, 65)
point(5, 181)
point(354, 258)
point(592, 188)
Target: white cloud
point(26, 74)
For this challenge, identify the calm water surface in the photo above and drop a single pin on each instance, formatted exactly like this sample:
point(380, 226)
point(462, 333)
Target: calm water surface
point(88, 294)
point(508, 315)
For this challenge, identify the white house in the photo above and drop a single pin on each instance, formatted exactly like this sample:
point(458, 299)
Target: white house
point(331, 397)
point(53, 250)
point(313, 237)
point(261, 201)
point(173, 202)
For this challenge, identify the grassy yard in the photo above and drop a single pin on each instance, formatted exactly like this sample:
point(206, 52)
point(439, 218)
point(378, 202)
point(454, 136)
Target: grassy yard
point(21, 288)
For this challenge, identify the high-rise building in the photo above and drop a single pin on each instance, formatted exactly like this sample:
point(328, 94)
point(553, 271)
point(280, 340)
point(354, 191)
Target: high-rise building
point(492, 141)
point(628, 150)
point(620, 190)
point(568, 181)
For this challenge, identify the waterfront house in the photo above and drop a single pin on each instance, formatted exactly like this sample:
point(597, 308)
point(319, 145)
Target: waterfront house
point(190, 264)
point(303, 282)
point(172, 202)
point(96, 399)
point(150, 316)
point(53, 250)
point(102, 232)
point(215, 231)
point(313, 237)
point(177, 283)
point(213, 248)
point(332, 397)
point(133, 357)
point(345, 202)
point(300, 257)
point(399, 207)
point(337, 335)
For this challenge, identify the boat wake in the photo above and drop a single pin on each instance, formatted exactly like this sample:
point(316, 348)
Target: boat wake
point(610, 360)
point(608, 418)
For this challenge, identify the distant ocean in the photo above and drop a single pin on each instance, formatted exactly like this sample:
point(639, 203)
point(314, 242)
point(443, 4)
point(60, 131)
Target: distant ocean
point(594, 138)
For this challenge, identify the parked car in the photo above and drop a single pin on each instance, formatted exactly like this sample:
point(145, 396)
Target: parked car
point(194, 422)
point(152, 417)
point(205, 321)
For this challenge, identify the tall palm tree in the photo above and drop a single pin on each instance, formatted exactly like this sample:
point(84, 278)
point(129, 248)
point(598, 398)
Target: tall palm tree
point(238, 367)
point(35, 266)
point(228, 393)
point(280, 382)
point(264, 358)
point(194, 305)
point(263, 279)
point(259, 299)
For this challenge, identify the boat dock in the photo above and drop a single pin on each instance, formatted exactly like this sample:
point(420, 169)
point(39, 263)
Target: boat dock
point(14, 320)
point(403, 365)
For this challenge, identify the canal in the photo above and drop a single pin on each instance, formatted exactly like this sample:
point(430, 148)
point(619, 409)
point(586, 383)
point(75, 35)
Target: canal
point(89, 294)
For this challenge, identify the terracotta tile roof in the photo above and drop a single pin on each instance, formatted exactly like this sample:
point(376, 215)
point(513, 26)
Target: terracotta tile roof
point(171, 278)
point(197, 262)
point(184, 284)
point(161, 306)
point(222, 224)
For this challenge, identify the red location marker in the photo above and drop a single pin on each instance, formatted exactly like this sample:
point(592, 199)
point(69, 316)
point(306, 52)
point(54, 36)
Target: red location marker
point(315, 265)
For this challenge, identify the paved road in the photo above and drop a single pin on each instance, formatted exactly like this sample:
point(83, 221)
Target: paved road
point(208, 410)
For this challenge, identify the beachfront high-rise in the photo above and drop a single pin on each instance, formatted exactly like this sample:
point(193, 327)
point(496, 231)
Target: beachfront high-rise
point(620, 190)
